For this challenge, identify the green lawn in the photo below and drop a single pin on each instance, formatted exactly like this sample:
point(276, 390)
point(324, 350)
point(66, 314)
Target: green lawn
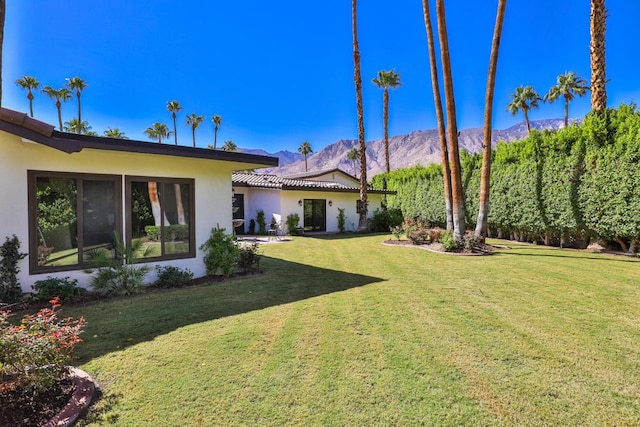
point(342, 331)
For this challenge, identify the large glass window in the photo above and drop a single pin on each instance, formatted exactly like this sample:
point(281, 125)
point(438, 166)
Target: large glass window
point(71, 217)
point(161, 216)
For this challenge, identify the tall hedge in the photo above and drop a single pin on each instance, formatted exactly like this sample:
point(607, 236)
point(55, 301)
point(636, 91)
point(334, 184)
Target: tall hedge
point(555, 187)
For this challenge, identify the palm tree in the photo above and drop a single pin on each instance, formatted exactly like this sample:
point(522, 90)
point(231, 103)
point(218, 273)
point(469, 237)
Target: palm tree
point(77, 84)
point(30, 84)
point(75, 126)
point(353, 155)
point(114, 133)
point(194, 121)
point(569, 85)
point(158, 131)
point(444, 151)
point(305, 149)
point(485, 174)
point(524, 99)
point(597, 26)
point(217, 121)
point(457, 194)
point(174, 107)
point(62, 94)
point(229, 146)
point(386, 80)
point(357, 79)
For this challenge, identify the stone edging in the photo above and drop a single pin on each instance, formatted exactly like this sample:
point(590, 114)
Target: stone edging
point(79, 402)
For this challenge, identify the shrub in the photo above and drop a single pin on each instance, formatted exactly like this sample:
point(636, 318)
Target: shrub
point(447, 241)
point(172, 232)
point(292, 223)
point(262, 223)
point(64, 288)
point(435, 234)
point(418, 237)
point(35, 353)
point(396, 231)
point(10, 255)
point(384, 220)
point(220, 253)
point(342, 220)
point(119, 274)
point(172, 277)
point(410, 224)
point(248, 259)
point(252, 226)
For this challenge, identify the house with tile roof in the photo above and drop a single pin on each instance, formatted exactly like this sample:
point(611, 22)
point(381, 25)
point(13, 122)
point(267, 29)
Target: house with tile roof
point(315, 196)
point(65, 195)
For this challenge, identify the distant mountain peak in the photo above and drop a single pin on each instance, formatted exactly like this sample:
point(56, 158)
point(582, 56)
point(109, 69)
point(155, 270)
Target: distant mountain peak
point(417, 147)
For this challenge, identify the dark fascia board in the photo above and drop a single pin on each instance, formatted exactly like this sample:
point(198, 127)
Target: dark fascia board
point(73, 143)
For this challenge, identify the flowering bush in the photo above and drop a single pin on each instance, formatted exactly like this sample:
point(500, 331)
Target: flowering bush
point(35, 353)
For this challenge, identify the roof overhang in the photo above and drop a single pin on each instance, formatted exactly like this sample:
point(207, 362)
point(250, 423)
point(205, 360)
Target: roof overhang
point(33, 130)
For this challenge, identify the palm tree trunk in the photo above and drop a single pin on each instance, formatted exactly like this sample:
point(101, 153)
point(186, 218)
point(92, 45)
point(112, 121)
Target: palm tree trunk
point(526, 120)
point(175, 129)
point(193, 135)
point(79, 110)
point(566, 111)
point(444, 151)
point(179, 206)
point(305, 163)
point(357, 78)
point(30, 98)
point(385, 119)
point(597, 55)
point(59, 107)
point(154, 199)
point(457, 194)
point(485, 177)
point(215, 138)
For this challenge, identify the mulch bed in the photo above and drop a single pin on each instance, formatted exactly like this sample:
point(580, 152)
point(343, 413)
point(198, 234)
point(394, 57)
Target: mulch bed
point(437, 247)
point(25, 409)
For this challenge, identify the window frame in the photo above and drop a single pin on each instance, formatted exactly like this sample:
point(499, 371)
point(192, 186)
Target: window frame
point(129, 179)
point(32, 178)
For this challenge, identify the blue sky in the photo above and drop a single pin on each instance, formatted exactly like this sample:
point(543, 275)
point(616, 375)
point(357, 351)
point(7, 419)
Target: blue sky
point(280, 73)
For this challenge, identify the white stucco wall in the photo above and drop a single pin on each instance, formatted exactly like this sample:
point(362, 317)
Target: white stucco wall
point(339, 177)
point(212, 191)
point(286, 203)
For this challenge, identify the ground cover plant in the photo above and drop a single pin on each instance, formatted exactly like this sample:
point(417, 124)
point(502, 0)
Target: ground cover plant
point(34, 354)
point(345, 331)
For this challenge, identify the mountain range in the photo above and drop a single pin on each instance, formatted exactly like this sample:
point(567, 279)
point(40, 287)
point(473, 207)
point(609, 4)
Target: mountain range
point(418, 147)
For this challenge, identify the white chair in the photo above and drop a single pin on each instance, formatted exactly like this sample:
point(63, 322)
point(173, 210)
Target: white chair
point(279, 226)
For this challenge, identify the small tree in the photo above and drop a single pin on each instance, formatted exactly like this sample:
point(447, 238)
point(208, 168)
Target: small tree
point(10, 255)
point(292, 223)
point(262, 223)
point(342, 220)
point(220, 253)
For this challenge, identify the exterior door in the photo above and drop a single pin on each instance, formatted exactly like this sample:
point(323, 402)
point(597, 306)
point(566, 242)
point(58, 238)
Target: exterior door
point(315, 215)
point(238, 212)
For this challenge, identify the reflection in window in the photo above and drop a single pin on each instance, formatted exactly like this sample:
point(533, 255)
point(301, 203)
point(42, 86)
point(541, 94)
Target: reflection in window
point(75, 216)
point(161, 216)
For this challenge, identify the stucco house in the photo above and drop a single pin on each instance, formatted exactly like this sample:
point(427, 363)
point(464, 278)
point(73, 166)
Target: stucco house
point(314, 196)
point(64, 195)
